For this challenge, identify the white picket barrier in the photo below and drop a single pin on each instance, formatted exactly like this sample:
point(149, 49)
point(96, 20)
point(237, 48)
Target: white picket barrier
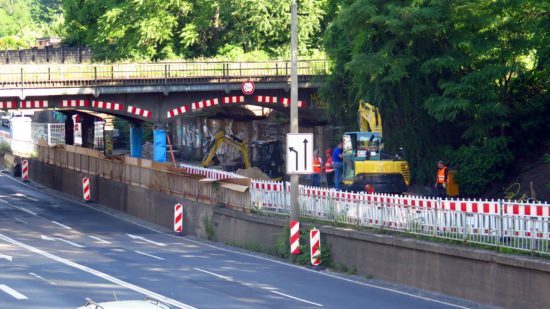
point(524, 226)
point(208, 172)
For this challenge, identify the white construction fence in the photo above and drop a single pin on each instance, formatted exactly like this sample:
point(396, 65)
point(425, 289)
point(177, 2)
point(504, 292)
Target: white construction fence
point(511, 224)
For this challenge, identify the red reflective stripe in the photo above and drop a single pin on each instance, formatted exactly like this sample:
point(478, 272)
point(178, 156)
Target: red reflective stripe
point(474, 207)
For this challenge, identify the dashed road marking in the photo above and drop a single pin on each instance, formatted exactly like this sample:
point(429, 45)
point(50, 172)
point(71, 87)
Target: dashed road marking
point(97, 273)
point(149, 255)
point(12, 292)
point(213, 274)
point(297, 298)
point(102, 241)
point(61, 225)
point(42, 278)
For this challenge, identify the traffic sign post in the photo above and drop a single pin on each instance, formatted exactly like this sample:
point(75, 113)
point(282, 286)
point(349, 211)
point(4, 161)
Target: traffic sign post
point(299, 153)
point(248, 87)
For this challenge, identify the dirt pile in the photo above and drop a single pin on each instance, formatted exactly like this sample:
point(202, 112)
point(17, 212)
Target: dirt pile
point(253, 173)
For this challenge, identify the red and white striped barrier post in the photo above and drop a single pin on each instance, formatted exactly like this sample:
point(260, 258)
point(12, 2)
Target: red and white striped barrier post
point(178, 218)
point(294, 237)
point(315, 246)
point(86, 189)
point(25, 170)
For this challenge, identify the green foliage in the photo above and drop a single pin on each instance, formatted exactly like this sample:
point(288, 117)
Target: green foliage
point(479, 166)
point(209, 228)
point(282, 247)
point(160, 29)
point(5, 147)
point(23, 21)
point(450, 78)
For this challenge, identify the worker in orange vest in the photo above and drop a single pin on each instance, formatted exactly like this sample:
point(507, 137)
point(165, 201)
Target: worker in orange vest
point(317, 163)
point(329, 169)
point(441, 180)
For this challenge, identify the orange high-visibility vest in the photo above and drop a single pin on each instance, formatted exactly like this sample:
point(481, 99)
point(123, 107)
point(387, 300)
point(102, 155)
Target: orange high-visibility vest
point(328, 166)
point(317, 166)
point(441, 179)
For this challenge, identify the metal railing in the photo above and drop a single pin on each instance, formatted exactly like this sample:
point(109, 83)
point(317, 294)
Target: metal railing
point(92, 75)
point(509, 224)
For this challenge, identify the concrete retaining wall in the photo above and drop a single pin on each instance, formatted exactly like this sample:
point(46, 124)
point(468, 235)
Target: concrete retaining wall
point(482, 276)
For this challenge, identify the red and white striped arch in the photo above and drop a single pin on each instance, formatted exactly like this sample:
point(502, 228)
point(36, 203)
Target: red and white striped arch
point(233, 100)
point(34, 104)
point(177, 111)
point(75, 103)
point(107, 105)
point(266, 99)
point(286, 103)
point(7, 104)
point(204, 103)
point(139, 112)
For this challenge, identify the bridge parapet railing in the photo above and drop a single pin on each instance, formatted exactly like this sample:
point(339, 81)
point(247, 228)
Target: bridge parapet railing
point(74, 75)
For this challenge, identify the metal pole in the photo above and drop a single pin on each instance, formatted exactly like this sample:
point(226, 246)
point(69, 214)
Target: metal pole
point(294, 179)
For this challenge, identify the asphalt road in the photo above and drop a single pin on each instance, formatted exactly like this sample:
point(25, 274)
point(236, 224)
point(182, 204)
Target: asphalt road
point(55, 252)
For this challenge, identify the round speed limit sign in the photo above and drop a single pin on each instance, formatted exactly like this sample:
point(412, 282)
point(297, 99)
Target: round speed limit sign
point(248, 87)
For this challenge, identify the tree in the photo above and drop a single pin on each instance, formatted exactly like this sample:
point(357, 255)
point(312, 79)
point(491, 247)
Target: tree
point(442, 73)
point(190, 28)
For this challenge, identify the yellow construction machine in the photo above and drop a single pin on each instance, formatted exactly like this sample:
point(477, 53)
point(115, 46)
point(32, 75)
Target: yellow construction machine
point(269, 159)
point(366, 166)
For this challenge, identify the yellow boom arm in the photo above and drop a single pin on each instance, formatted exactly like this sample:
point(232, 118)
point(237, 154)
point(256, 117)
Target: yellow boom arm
point(369, 118)
point(234, 142)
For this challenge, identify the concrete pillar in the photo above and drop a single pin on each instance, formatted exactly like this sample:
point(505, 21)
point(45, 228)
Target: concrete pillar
point(159, 141)
point(108, 135)
point(88, 127)
point(136, 140)
point(69, 130)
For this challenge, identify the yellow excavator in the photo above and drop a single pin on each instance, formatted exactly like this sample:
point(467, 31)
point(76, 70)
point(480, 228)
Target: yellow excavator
point(269, 159)
point(366, 166)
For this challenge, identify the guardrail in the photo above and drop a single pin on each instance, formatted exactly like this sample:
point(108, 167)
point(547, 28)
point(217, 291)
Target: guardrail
point(91, 75)
point(510, 224)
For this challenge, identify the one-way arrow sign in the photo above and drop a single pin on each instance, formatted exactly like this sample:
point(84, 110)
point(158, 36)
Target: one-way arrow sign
point(299, 154)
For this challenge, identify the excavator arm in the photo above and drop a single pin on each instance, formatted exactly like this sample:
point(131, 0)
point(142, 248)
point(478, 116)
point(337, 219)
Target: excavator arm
point(369, 118)
point(232, 141)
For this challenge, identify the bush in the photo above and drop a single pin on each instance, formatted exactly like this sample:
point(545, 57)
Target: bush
point(479, 165)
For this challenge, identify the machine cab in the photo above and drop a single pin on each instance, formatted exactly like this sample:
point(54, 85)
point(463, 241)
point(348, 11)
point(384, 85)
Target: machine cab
point(360, 146)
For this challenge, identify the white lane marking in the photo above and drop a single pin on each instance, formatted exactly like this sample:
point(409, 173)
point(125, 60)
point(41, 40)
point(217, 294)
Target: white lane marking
point(42, 278)
point(12, 292)
point(24, 196)
point(44, 237)
point(319, 273)
point(6, 257)
point(61, 225)
point(98, 273)
point(99, 239)
point(297, 298)
point(213, 274)
point(146, 240)
point(21, 220)
point(19, 208)
point(150, 255)
point(243, 253)
point(271, 289)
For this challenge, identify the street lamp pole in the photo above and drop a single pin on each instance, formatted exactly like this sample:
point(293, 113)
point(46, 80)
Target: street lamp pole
point(294, 179)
